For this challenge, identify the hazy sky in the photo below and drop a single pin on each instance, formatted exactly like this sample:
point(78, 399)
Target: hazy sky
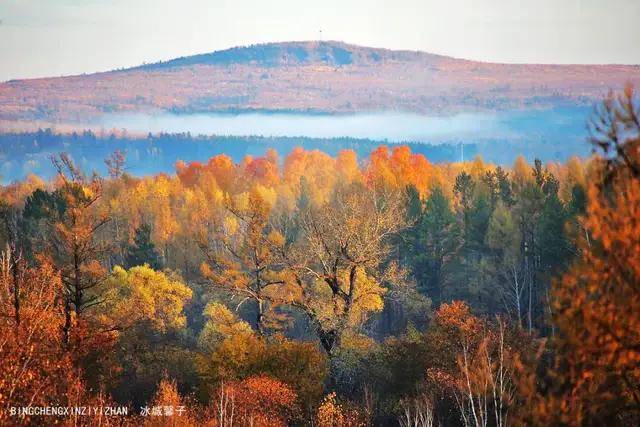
point(57, 37)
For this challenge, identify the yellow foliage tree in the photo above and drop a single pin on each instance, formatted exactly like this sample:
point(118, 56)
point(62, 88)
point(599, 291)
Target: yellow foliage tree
point(142, 294)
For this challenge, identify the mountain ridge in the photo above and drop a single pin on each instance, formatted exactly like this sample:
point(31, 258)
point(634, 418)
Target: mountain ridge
point(318, 76)
point(225, 57)
point(330, 52)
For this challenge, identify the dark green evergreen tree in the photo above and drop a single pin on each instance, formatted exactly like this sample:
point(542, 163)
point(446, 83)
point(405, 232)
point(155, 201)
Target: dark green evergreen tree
point(414, 204)
point(472, 279)
point(435, 240)
point(504, 186)
point(554, 246)
point(464, 188)
point(143, 251)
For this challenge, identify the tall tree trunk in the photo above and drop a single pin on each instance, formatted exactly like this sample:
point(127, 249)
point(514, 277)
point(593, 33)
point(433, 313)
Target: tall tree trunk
point(77, 283)
point(328, 340)
point(66, 328)
point(517, 294)
point(14, 263)
point(260, 317)
point(530, 286)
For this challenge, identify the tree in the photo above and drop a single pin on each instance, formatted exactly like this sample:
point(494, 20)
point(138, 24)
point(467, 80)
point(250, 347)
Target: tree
point(336, 263)
point(242, 257)
point(417, 412)
point(42, 209)
point(433, 242)
point(15, 251)
point(502, 186)
point(221, 324)
point(503, 238)
point(464, 189)
point(472, 277)
point(143, 251)
point(472, 364)
point(259, 401)
point(541, 218)
point(115, 164)
point(232, 350)
point(597, 301)
point(554, 248)
point(614, 130)
point(142, 294)
point(333, 412)
point(176, 410)
point(34, 367)
point(143, 314)
point(74, 245)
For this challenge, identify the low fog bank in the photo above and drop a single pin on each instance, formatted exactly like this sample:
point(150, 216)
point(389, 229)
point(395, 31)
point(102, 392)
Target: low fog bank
point(24, 153)
point(391, 126)
point(550, 135)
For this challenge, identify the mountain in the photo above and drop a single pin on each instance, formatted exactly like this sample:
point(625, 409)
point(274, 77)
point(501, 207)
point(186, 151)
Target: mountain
point(322, 77)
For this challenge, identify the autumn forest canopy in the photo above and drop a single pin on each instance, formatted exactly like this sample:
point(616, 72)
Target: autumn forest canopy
point(329, 290)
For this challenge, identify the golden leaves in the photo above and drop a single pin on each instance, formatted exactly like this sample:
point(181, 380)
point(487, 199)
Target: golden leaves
point(142, 294)
point(221, 324)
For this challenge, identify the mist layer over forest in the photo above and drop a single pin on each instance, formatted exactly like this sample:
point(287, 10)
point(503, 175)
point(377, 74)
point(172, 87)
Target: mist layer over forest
point(549, 135)
point(391, 126)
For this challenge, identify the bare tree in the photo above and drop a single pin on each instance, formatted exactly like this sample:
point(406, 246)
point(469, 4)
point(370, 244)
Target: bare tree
point(615, 129)
point(486, 390)
point(417, 412)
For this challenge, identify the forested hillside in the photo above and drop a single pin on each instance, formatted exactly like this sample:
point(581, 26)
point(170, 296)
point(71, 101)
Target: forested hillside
point(329, 290)
point(329, 77)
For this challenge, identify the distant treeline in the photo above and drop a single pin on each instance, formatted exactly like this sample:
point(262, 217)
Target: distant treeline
point(29, 152)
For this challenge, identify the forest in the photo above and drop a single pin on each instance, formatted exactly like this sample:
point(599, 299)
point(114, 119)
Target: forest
point(328, 290)
point(157, 153)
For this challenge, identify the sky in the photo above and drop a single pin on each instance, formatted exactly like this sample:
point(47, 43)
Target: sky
point(60, 37)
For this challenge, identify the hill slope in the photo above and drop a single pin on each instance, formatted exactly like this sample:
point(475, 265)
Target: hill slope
point(329, 77)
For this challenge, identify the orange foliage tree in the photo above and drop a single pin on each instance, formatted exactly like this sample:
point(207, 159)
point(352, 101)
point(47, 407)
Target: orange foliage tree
point(597, 302)
point(35, 370)
point(256, 401)
point(76, 249)
point(472, 364)
point(169, 409)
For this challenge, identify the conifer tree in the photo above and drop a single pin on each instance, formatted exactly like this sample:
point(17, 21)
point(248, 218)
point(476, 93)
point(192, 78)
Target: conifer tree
point(142, 250)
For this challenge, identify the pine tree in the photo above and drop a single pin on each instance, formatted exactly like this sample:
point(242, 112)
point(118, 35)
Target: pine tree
point(143, 251)
point(434, 242)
